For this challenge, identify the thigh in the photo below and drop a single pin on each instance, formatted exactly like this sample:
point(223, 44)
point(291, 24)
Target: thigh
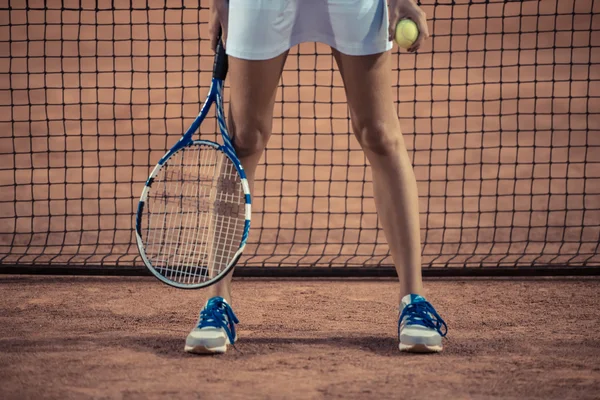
point(252, 87)
point(368, 84)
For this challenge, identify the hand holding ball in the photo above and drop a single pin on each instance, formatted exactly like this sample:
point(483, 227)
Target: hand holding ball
point(406, 33)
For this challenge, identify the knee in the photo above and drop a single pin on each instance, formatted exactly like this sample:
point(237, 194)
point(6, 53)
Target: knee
point(249, 137)
point(378, 137)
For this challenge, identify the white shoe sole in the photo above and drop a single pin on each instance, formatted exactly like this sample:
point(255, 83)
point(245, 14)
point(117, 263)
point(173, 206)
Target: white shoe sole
point(205, 350)
point(420, 348)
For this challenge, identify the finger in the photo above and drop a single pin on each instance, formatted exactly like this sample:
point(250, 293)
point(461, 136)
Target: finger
point(394, 18)
point(224, 30)
point(224, 20)
point(416, 46)
point(213, 29)
point(423, 27)
point(421, 22)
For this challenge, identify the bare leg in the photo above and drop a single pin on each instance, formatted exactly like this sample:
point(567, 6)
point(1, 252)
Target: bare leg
point(375, 123)
point(253, 86)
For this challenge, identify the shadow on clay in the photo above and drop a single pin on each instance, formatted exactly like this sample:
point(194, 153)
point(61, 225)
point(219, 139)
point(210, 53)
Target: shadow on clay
point(172, 347)
point(382, 346)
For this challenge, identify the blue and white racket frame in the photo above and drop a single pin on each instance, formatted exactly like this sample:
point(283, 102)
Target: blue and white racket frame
point(215, 95)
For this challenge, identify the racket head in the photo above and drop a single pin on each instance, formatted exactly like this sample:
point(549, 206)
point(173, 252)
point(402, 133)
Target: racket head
point(194, 214)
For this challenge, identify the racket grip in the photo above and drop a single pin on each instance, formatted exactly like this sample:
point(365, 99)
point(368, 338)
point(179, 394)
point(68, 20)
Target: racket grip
point(220, 66)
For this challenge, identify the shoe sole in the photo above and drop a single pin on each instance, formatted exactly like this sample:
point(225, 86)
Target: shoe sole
point(420, 348)
point(205, 350)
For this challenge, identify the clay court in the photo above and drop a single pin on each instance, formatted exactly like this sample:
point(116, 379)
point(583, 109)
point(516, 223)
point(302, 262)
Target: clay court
point(500, 111)
point(122, 338)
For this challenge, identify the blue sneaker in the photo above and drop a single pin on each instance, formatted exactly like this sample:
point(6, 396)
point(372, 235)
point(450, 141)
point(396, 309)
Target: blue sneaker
point(215, 329)
point(420, 328)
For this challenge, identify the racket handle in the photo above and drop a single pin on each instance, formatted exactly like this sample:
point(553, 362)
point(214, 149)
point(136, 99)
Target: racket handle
point(220, 66)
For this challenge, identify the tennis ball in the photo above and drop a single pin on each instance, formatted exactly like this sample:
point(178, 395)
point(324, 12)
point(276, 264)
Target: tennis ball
point(406, 33)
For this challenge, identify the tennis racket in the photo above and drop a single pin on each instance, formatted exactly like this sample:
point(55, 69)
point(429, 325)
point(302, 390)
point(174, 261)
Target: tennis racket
point(193, 216)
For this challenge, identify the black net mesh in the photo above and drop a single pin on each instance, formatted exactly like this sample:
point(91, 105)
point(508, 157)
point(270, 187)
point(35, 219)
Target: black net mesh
point(500, 111)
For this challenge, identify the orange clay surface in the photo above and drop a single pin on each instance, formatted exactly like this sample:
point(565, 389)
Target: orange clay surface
point(123, 338)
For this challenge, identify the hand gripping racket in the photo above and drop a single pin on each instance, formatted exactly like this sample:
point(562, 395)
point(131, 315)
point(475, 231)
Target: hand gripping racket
point(193, 217)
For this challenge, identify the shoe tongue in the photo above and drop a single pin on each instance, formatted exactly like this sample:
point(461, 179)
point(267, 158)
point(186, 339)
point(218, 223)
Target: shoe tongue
point(215, 299)
point(411, 298)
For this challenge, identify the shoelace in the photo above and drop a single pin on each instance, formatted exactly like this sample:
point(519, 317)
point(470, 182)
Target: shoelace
point(422, 313)
point(219, 314)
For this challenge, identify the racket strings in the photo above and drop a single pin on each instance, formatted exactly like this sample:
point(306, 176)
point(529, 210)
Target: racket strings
point(195, 218)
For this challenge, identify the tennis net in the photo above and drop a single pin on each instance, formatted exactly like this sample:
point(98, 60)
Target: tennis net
point(500, 110)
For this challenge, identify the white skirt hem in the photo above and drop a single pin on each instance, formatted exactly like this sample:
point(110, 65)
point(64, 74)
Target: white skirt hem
point(349, 49)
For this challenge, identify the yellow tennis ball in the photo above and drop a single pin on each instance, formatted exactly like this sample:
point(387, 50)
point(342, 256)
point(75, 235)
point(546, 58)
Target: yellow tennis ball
point(406, 33)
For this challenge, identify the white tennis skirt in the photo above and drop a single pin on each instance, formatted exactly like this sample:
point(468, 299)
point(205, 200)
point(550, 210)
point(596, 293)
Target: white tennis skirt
point(263, 29)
